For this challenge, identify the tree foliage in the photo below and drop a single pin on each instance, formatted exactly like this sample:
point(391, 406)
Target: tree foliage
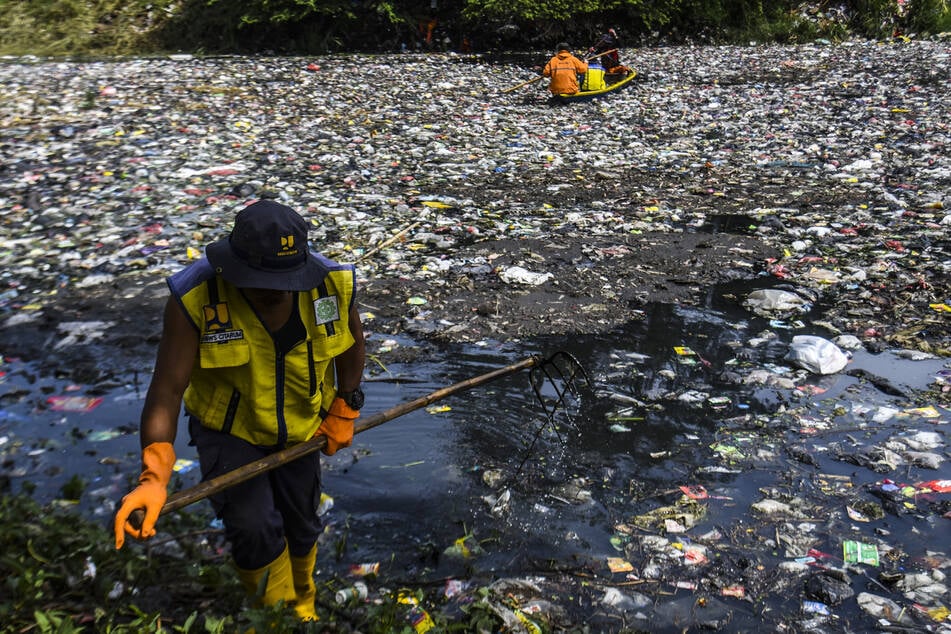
point(538, 10)
point(61, 27)
point(287, 11)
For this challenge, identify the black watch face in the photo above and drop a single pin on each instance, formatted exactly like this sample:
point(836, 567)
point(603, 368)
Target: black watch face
point(355, 399)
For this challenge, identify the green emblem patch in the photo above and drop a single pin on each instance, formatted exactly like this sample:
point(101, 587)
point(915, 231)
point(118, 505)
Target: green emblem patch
point(326, 309)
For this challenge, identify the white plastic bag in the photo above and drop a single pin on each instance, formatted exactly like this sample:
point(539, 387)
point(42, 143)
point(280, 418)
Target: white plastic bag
point(519, 275)
point(770, 300)
point(818, 355)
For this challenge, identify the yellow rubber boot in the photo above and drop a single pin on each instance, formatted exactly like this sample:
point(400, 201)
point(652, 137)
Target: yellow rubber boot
point(278, 587)
point(302, 569)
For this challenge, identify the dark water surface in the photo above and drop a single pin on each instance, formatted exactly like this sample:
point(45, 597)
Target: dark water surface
point(575, 484)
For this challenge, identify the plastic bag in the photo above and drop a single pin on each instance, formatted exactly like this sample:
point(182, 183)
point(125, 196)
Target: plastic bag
point(765, 301)
point(817, 355)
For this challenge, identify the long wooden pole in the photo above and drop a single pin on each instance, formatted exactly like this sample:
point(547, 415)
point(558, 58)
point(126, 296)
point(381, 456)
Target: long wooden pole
point(524, 83)
point(202, 490)
point(588, 59)
point(540, 77)
point(396, 236)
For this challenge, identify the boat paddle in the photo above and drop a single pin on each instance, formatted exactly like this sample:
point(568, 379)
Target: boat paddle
point(524, 83)
point(540, 77)
point(206, 488)
point(597, 55)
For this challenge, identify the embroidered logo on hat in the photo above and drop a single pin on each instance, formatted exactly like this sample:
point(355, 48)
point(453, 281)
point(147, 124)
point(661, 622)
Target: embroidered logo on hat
point(267, 248)
point(260, 237)
point(287, 246)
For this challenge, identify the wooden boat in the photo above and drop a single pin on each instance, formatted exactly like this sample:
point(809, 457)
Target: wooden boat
point(613, 81)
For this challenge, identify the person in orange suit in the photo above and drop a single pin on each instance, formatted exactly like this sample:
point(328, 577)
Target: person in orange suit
point(563, 69)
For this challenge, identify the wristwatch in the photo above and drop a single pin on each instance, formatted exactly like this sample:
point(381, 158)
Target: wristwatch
point(353, 399)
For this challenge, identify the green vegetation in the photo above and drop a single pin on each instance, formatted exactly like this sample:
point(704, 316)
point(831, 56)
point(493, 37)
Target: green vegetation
point(62, 575)
point(70, 27)
point(142, 27)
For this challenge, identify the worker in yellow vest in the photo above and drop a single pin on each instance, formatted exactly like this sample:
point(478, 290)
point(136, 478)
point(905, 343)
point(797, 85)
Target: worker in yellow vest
point(263, 343)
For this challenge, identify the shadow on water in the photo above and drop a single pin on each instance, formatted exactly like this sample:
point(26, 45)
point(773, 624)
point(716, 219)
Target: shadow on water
point(684, 397)
point(729, 223)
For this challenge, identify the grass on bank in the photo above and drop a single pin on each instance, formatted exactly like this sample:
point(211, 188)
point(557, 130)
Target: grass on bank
point(60, 574)
point(77, 27)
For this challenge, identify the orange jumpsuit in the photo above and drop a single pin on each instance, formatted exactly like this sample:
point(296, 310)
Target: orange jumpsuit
point(564, 69)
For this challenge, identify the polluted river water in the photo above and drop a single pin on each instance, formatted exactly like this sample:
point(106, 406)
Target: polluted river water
point(703, 480)
point(682, 487)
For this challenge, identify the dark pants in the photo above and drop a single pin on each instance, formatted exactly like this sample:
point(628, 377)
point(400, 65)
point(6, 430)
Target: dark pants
point(261, 513)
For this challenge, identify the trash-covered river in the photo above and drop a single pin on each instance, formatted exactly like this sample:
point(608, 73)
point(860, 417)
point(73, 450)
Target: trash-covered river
point(721, 470)
point(701, 479)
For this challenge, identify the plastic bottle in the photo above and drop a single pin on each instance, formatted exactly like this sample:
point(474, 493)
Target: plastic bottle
point(356, 591)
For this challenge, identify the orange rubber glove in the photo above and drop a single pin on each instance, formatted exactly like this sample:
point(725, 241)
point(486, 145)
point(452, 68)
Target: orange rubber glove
point(157, 461)
point(338, 426)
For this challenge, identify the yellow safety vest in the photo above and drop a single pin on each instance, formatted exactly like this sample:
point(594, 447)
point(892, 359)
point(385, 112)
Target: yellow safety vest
point(241, 384)
point(593, 78)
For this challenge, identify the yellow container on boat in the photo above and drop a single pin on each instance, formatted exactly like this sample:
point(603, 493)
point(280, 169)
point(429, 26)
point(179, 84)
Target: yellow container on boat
point(594, 78)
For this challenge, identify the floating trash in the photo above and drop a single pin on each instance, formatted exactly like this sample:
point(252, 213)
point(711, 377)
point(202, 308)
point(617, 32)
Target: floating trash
point(74, 403)
point(817, 173)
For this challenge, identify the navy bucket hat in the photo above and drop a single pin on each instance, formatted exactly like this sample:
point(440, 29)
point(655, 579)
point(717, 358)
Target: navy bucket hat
point(267, 248)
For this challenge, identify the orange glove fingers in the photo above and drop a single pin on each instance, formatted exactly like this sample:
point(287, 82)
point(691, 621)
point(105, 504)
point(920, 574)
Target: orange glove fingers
point(148, 496)
point(157, 461)
point(121, 525)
